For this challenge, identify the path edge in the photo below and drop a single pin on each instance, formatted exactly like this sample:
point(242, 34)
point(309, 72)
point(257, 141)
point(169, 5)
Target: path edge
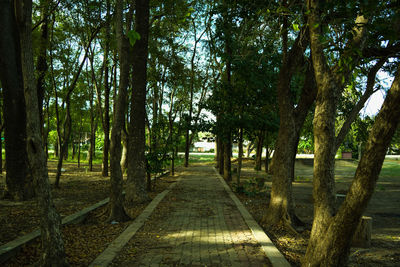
point(273, 254)
point(108, 255)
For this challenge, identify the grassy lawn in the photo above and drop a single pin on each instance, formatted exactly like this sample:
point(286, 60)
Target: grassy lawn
point(346, 169)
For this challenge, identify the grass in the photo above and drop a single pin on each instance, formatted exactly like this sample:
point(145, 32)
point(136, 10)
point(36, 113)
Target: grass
point(98, 159)
point(201, 158)
point(347, 169)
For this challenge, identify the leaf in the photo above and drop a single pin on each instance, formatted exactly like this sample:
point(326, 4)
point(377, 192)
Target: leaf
point(296, 27)
point(133, 37)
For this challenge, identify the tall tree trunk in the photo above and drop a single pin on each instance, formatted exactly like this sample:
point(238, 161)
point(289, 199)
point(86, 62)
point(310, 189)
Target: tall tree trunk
point(136, 181)
point(333, 249)
point(67, 121)
point(47, 129)
point(79, 145)
point(73, 148)
point(240, 156)
point(281, 206)
point(53, 246)
point(259, 150)
point(227, 158)
point(221, 156)
point(107, 89)
point(117, 212)
point(266, 162)
point(18, 181)
point(64, 144)
point(172, 170)
point(93, 127)
point(124, 162)
point(187, 143)
point(330, 83)
point(42, 66)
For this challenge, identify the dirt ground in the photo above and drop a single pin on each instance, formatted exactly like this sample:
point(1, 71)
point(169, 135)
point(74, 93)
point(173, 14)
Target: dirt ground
point(383, 208)
point(79, 188)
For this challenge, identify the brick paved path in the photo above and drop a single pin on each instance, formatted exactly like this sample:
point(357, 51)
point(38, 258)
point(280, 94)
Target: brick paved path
point(197, 224)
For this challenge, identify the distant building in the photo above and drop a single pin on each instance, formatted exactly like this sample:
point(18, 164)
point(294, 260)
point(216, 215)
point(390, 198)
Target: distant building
point(205, 144)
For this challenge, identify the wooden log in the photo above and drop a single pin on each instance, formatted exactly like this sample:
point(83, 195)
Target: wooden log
point(362, 236)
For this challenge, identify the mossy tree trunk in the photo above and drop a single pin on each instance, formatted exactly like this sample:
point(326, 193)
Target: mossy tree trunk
point(18, 181)
point(136, 181)
point(53, 246)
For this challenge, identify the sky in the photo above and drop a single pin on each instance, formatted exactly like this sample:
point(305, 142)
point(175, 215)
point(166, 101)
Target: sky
point(375, 102)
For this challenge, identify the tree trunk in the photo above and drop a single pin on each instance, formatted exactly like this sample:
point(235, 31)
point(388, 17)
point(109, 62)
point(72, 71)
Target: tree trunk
point(136, 182)
point(79, 149)
point(330, 84)
point(42, 66)
point(217, 152)
point(249, 149)
point(124, 162)
point(333, 249)
point(267, 155)
point(187, 145)
point(172, 162)
point(73, 149)
point(281, 206)
point(227, 158)
point(67, 122)
point(240, 156)
point(117, 212)
point(64, 146)
point(107, 89)
point(221, 156)
point(259, 150)
point(53, 246)
point(92, 147)
point(18, 183)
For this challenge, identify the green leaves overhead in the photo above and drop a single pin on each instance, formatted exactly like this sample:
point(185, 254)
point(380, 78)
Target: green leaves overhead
point(133, 37)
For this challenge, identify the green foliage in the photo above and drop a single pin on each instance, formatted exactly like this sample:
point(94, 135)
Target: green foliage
point(133, 37)
point(395, 144)
point(156, 162)
point(251, 187)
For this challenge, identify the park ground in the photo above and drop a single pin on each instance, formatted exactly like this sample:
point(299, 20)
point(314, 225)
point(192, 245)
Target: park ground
point(85, 240)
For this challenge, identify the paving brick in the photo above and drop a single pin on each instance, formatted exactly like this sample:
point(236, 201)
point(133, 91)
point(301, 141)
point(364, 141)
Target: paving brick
point(203, 227)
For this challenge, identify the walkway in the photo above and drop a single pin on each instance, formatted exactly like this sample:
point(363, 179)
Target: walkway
point(197, 224)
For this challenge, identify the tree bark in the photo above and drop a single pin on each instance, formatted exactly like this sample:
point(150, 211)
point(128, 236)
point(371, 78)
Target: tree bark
point(117, 212)
point(333, 249)
point(93, 128)
point(107, 90)
point(53, 246)
point(221, 156)
point(136, 181)
point(281, 206)
point(42, 66)
point(259, 150)
point(124, 162)
point(240, 156)
point(330, 83)
point(227, 158)
point(18, 180)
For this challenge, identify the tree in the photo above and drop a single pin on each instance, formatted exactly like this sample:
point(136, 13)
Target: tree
point(18, 180)
point(53, 246)
point(338, 226)
point(136, 183)
point(117, 212)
